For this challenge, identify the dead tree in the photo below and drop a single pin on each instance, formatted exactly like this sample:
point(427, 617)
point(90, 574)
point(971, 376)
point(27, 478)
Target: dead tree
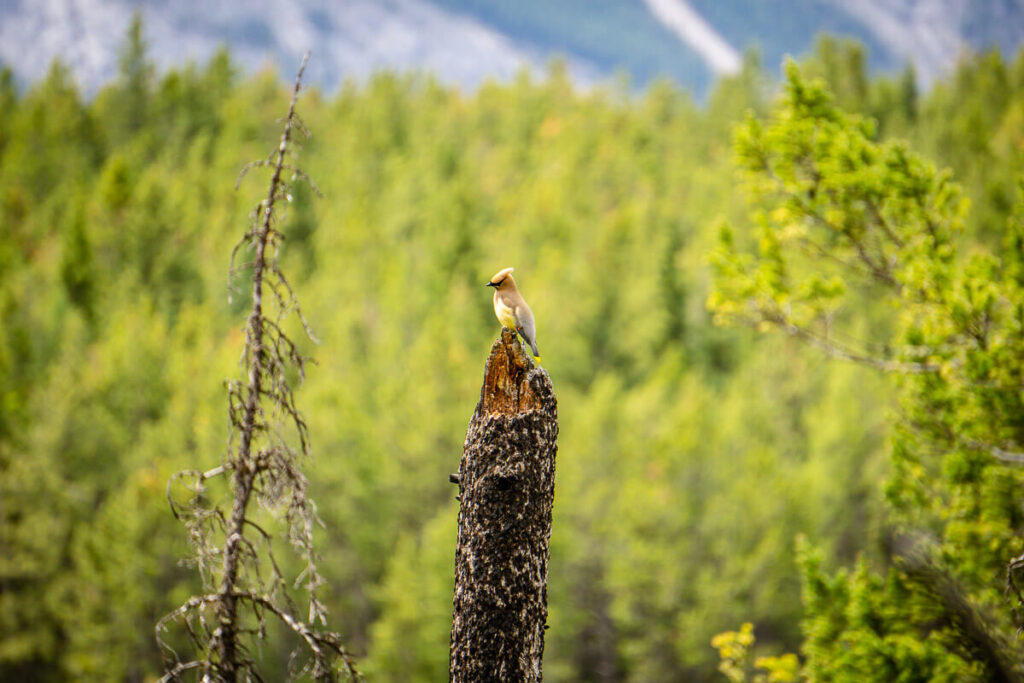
point(506, 485)
point(244, 586)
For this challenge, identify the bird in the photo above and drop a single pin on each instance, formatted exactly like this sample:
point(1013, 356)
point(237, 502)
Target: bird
point(512, 310)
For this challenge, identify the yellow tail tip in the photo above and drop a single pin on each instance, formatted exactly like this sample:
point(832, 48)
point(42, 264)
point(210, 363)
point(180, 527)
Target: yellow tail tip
point(536, 359)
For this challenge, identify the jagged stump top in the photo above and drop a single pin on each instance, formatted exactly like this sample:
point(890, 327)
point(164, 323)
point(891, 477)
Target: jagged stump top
point(512, 382)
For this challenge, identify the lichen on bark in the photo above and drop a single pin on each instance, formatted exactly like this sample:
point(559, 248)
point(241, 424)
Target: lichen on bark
point(506, 488)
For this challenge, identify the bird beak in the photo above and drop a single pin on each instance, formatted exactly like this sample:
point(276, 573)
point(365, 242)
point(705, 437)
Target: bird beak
point(491, 284)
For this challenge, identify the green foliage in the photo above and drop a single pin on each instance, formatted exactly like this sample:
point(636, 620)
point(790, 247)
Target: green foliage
point(129, 109)
point(690, 456)
point(416, 596)
point(862, 626)
point(77, 268)
point(33, 164)
point(8, 98)
point(841, 216)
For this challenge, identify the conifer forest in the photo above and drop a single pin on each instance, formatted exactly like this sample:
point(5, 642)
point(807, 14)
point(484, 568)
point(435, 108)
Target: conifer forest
point(784, 324)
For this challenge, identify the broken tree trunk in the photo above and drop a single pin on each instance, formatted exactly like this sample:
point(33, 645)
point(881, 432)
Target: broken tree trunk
point(506, 486)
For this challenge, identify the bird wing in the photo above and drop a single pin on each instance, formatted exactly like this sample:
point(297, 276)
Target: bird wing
point(524, 320)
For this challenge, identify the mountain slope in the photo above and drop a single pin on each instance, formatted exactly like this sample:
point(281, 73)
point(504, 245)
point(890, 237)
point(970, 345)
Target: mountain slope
point(349, 39)
point(466, 41)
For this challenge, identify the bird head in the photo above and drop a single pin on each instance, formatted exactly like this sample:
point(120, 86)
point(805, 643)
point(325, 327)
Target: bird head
point(501, 277)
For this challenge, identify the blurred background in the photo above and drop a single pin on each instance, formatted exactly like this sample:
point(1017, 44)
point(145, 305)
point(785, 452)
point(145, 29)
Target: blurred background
point(465, 42)
point(587, 144)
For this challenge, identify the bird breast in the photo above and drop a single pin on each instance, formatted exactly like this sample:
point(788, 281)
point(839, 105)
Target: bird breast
point(506, 316)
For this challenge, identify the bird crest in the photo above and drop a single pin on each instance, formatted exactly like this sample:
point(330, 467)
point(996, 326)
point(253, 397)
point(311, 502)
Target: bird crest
point(501, 275)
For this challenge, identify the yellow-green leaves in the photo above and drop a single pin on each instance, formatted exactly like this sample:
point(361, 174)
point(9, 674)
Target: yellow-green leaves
point(850, 229)
point(735, 650)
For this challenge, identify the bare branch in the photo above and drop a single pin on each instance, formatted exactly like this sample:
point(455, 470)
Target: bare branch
point(841, 352)
point(242, 578)
point(881, 271)
point(997, 452)
point(300, 174)
point(883, 223)
point(253, 164)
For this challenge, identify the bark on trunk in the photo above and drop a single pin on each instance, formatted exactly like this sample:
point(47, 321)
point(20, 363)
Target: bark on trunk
point(506, 485)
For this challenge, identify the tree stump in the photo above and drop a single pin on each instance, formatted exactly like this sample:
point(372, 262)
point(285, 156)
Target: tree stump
point(506, 486)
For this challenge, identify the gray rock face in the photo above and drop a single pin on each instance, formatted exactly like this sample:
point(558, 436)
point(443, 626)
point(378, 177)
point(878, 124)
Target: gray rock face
point(349, 39)
point(464, 42)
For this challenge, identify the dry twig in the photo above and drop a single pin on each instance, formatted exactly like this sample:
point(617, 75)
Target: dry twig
point(242, 579)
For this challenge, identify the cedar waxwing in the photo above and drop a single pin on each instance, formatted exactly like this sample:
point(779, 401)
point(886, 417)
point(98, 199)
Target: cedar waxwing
point(512, 310)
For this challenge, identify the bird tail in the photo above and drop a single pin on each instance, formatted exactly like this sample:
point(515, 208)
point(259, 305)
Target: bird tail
point(536, 353)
